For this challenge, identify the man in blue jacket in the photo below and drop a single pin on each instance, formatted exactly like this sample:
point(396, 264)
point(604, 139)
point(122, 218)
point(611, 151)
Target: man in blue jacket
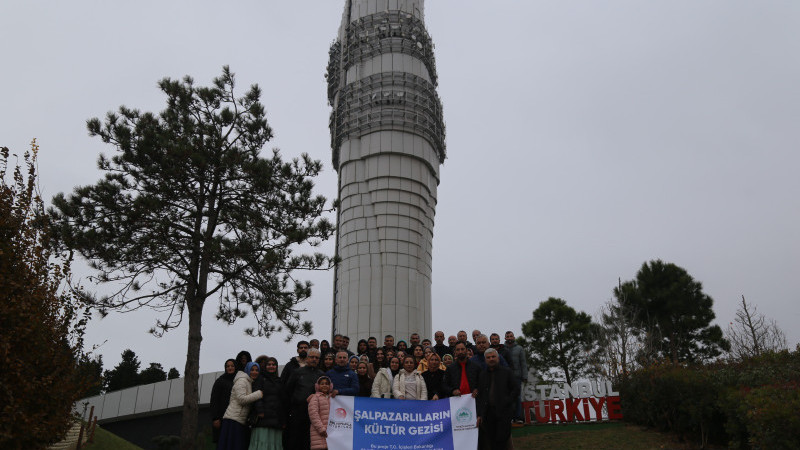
point(345, 381)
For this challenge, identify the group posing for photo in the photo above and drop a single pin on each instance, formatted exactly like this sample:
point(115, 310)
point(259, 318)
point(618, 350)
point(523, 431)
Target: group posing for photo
point(256, 407)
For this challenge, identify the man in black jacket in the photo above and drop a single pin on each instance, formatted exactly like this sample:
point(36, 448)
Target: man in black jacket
point(296, 362)
point(497, 392)
point(462, 376)
point(299, 387)
point(440, 348)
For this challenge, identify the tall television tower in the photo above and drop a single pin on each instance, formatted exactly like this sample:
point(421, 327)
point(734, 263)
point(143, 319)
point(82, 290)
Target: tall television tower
point(387, 137)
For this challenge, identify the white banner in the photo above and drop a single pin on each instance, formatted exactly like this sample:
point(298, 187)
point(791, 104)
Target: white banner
point(363, 423)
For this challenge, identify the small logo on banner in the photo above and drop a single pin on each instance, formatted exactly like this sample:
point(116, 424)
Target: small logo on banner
point(341, 413)
point(464, 415)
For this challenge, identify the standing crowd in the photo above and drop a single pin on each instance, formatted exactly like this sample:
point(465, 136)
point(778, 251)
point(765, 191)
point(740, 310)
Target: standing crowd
point(254, 407)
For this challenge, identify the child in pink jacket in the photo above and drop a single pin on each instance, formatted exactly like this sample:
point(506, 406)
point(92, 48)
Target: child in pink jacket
point(319, 407)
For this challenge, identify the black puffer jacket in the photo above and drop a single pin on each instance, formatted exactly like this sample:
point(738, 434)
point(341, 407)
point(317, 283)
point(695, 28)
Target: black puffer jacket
point(273, 404)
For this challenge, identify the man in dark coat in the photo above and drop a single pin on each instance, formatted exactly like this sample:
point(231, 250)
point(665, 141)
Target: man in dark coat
point(299, 387)
point(388, 345)
point(296, 362)
point(462, 337)
point(440, 348)
point(462, 376)
point(494, 342)
point(498, 390)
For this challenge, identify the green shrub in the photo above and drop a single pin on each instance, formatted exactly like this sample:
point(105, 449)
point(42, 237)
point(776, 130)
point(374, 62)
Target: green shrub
point(675, 398)
point(746, 404)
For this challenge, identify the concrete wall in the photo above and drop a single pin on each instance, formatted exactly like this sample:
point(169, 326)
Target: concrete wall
point(144, 400)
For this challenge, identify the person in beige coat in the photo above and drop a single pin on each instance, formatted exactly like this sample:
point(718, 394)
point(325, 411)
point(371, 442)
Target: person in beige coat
point(234, 434)
point(409, 384)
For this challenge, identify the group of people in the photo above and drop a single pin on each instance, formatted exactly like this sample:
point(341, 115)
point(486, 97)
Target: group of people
point(254, 406)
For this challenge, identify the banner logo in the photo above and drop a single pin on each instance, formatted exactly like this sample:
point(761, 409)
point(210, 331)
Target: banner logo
point(464, 415)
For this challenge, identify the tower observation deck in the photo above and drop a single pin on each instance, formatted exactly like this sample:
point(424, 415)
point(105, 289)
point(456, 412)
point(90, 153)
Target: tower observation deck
point(387, 138)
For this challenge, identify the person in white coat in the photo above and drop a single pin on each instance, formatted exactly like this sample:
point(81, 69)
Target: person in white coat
point(409, 384)
point(234, 434)
point(382, 385)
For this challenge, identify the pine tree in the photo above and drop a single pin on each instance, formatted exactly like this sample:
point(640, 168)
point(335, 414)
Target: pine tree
point(189, 210)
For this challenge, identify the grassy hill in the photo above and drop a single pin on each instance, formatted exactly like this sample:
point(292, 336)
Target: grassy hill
point(105, 440)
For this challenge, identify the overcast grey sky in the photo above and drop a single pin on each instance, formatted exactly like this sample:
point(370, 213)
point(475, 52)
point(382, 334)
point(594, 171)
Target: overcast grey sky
point(583, 139)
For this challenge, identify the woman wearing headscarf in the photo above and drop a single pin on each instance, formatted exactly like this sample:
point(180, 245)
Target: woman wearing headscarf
point(382, 385)
point(242, 359)
point(234, 434)
point(422, 367)
point(447, 359)
point(353, 362)
point(220, 396)
point(402, 346)
point(319, 407)
point(361, 347)
point(270, 410)
point(408, 384)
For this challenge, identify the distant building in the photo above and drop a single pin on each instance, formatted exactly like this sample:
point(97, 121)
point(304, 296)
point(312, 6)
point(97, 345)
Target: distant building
point(387, 137)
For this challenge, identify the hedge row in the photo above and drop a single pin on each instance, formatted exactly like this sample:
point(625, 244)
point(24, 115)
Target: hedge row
point(749, 404)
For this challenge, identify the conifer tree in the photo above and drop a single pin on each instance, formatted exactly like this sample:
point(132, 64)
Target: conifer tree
point(190, 210)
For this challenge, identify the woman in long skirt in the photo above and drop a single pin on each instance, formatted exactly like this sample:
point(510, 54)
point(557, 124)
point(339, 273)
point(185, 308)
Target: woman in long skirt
point(267, 433)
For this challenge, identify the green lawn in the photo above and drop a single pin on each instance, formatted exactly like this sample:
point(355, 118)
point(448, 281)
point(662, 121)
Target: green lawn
point(105, 440)
point(594, 436)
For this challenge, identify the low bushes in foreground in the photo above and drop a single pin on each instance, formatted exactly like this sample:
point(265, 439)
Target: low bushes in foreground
point(746, 404)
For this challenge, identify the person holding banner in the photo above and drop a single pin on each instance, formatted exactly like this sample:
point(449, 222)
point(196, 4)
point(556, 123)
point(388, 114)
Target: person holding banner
point(408, 384)
point(461, 377)
point(301, 385)
point(434, 378)
point(382, 384)
point(498, 390)
point(319, 407)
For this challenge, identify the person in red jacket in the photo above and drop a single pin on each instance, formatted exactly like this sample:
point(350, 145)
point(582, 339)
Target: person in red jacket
point(319, 407)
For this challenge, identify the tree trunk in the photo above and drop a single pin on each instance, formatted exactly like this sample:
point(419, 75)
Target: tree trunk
point(191, 371)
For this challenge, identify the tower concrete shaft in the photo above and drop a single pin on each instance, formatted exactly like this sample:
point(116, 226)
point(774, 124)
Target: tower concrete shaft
point(387, 137)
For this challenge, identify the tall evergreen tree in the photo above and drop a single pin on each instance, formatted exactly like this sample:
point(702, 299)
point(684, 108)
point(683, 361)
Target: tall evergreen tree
point(675, 312)
point(152, 374)
point(189, 210)
point(123, 375)
point(559, 337)
point(91, 370)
